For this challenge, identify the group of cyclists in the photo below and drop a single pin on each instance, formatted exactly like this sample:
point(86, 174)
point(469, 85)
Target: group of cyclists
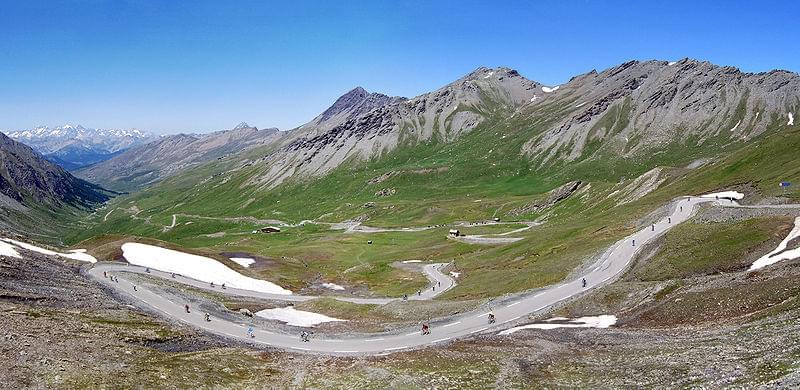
point(112, 277)
point(426, 328)
point(206, 315)
point(213, 285)
point(305, 336)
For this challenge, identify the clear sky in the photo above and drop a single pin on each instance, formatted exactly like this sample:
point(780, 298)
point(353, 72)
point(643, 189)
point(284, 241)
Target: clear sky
point(170, 66)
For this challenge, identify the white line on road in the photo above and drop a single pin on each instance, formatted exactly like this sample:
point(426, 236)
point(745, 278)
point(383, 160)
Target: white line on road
point(374, 339)
point(444, 339)
point(346, 351)
point(451, 324)
point(396, 348)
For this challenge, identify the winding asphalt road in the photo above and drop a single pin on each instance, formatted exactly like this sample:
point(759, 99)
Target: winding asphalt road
point(607, 268)
point(439, 283)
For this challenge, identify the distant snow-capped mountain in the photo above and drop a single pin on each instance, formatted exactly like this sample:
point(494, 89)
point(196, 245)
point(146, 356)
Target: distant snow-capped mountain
point(75, 146)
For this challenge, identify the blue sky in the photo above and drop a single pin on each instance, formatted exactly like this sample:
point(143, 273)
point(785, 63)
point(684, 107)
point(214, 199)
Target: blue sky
point(185, 66)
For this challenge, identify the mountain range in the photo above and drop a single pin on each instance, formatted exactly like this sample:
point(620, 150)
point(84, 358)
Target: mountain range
point(492, 125)
point(491, 133)
point(76, 146)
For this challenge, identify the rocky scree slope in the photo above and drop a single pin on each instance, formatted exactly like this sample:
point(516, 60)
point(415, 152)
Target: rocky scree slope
point(441, 115)
point(638, 107)
point(634, 109)
point(352, 104)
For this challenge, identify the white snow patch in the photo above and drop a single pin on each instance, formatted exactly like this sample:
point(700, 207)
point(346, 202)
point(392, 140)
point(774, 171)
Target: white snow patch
point(548, 89)
point(533, 98)
point(243, 261)
point(791, 120)
point(412, 261)
point(579, 105)
point(332, 286)
point(80, 256)
point(736, 125)
point(725, 194)
point(672, 63)
point(295, 317)
point(488, 75)
point(195, 267)
point(780, 253)
point(455, 274)
point(9, 250)
point(602, 321)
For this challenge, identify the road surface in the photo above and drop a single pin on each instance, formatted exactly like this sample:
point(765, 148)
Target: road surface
point(610, 265)
point(439, 283)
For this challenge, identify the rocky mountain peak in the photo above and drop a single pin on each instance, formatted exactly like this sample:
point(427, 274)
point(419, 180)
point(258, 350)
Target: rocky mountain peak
point(355, 102)
point(243, 125)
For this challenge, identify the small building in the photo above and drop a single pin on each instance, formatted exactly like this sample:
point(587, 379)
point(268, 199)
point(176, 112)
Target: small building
point(270, 229)
point(454, 232)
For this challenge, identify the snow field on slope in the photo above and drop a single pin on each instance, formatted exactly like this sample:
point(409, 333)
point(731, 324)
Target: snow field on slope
point(332, 286)
point(725, 194)
point(780, 253)
point(602, 321)
point(9, 250)
point(243, 261)
point(295, 317)
point(196, 267)
point(76, 254)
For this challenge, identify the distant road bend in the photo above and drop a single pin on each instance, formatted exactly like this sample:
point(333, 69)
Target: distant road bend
point(610, 266)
